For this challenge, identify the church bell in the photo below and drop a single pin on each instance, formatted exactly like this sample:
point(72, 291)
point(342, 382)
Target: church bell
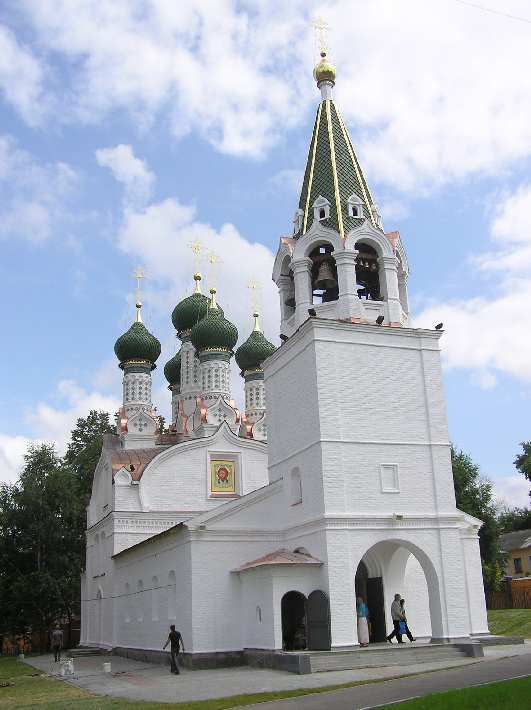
point(325, 278)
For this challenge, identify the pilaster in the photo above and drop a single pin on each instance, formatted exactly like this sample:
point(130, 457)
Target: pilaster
point(303, 288)
point(349, 305)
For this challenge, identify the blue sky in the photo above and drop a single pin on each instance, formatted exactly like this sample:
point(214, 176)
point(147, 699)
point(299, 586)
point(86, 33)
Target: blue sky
point(129, 129)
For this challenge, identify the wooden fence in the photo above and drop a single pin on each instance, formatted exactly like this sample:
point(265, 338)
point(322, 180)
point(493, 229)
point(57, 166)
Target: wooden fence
point(509, 599)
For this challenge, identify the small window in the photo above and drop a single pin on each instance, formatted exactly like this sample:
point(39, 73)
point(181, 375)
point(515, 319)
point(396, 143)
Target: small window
point(518, 565)
point(296, 487)
point(354, 211)
point(389, 478)
point(322, 213)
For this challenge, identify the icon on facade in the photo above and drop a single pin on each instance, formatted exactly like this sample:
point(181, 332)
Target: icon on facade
point(223, 477)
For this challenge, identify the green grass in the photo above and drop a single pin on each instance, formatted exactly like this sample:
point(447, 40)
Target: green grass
point(510, 622)
point(505, 695)
point(30, 689)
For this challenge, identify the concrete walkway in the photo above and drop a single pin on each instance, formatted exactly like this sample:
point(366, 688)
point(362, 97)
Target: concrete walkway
point(140, 681)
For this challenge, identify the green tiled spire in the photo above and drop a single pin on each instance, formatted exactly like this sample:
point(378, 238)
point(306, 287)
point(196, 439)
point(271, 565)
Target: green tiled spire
point(333, 172)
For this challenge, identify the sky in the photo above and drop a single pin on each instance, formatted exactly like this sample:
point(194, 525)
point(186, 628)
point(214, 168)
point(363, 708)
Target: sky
point(129, 129)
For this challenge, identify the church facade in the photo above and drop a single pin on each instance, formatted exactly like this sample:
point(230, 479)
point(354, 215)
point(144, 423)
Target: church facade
point(258, 530)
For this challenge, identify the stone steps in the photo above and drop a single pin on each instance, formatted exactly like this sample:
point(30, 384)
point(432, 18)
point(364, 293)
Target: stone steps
point(392, 656)
point(82, 651)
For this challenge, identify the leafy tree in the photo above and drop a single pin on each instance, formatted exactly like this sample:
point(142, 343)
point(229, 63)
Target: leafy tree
point(84, 449)
point(42, 542)
point(523, 461)
point(512, 519)
point(474, 496)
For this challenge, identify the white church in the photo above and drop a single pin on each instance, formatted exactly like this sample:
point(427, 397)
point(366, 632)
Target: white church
point(255, 532)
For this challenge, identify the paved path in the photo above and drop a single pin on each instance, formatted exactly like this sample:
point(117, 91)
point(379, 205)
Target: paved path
point(395, 691)
point(140, 681)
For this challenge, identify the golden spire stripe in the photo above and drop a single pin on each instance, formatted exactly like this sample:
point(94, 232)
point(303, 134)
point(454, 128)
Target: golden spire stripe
point(361, 180)
point(310, 178)
point(334, 169)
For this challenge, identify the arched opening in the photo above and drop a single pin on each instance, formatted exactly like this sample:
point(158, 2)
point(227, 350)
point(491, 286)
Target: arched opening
point(370, 590)
point(154, 599)
point(367, 273)
point(293, 613)
point(400, 567)
point(324, 282)
point(318, 621)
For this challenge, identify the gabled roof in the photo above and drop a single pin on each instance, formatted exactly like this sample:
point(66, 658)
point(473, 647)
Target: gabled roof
point(280, 557)
point(515, 540)
point(333, 171)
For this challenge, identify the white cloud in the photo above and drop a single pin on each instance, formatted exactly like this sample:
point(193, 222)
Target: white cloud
point(488, 334)
point(129, 170)
point(436, 91)
point(511, 491)
point(21, 78)
point(289, 179)
point(160, 236)
point(52, 423)
point(33, 194)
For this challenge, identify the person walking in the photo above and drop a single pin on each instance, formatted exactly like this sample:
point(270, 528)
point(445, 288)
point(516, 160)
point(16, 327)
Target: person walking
point(396, 616)
point(403, 621)
point(175, 640)
point(57, 642)
point(362, 613)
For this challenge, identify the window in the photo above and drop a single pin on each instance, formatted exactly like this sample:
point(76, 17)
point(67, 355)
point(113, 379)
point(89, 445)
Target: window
point(127, 603)
point(517, 565)
point(140, 601)
point(354, 206)
point(389, 478)
point(296, 487)
point(322, 213)
point(154, 599)
point(321, 208)
point(172, 598)
point(258, 614)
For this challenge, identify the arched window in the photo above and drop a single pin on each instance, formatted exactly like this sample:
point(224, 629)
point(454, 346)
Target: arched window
point(367, 273)
point(295, 487)
point(324, 274)
point(127, 603)
point(354, 206)
point(140, 601)
point(172, 596)
point(321, 208)
point(154, 599)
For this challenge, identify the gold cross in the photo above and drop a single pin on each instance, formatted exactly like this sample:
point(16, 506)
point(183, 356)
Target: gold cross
point(321, 28)
point(139, 274)
point(197, 249)
point(255, 287)
point(213, 259)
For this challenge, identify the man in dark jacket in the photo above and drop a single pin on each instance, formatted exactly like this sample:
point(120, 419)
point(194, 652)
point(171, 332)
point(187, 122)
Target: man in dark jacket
point(175, 640)
point(57, 642)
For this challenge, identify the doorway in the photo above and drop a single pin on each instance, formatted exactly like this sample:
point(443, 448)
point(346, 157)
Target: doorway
point(372, 592)
point(293, 612)
point(318, 615)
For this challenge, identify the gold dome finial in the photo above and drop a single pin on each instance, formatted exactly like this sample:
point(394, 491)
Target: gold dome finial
point(197, 279)
point(324, 70)
point(213, 304)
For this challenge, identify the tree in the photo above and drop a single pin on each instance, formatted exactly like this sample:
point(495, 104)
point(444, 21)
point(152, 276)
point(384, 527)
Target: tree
point(512, 519)
point(42, 542)
point(523, 461)
point(84, 449)
point(473, 495)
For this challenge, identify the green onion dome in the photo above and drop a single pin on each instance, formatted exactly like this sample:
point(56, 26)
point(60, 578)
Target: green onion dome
point(137, 344)
point(255, 350)
point(172, 369)
point(192, 309)
point(214, 331)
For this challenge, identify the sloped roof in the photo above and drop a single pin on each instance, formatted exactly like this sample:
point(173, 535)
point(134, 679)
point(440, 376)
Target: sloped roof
point(515, 540)
point(134, 460)
point(280, 557)
point(333, 171)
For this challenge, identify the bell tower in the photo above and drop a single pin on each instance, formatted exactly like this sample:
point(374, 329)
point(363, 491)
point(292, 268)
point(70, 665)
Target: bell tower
point(339, 261)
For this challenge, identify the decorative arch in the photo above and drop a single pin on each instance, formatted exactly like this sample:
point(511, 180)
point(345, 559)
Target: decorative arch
point(283, 258)
point(172, 595)
point(367, 234)
point(392, 556)
point(317, 234)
